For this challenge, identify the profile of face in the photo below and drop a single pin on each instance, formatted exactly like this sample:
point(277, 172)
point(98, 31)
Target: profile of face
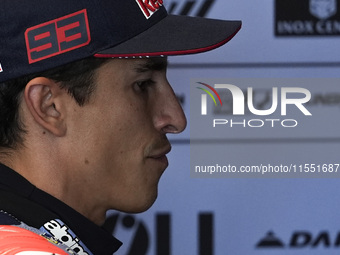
point(119, 136)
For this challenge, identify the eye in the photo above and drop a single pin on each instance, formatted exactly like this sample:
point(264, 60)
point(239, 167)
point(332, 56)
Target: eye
point(144, 85)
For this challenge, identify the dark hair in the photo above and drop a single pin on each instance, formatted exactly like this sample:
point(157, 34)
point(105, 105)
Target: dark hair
point(77, 78)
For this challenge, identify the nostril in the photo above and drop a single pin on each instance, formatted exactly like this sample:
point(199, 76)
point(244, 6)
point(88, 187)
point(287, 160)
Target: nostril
point(170, 129)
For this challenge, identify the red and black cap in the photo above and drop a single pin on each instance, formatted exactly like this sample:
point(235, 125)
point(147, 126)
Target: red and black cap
point(38, 35)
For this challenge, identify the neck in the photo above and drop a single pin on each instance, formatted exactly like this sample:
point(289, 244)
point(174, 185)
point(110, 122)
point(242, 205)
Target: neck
point(56, 178)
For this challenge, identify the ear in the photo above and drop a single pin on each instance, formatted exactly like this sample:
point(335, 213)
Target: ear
point(44, 101)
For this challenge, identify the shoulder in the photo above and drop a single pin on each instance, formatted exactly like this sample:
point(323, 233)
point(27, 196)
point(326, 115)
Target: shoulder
point(19, 241)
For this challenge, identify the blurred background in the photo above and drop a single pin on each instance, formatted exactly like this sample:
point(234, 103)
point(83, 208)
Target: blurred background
point(279, 39)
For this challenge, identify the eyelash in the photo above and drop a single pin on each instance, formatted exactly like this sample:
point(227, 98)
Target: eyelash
point(143, 85)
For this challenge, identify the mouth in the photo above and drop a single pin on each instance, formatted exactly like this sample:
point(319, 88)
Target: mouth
point(160, 155)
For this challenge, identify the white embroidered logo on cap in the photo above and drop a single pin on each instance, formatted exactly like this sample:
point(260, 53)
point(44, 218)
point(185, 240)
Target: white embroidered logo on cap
point(1, 70)
point(149, 7)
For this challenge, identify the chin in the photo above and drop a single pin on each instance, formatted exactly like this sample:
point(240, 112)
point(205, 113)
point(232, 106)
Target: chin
point(141, 205)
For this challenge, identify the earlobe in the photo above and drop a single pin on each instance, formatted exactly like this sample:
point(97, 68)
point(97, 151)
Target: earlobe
point(42, 97)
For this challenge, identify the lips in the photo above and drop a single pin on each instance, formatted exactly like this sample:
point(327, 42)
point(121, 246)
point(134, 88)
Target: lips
point(160, 155)
point(161, 152)
point(163, 160)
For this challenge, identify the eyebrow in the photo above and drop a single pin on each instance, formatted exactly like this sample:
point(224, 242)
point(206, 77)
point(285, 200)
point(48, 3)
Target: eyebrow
point(152, 64)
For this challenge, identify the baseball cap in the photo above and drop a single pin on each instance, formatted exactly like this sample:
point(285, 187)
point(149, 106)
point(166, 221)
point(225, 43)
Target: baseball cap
point(38, 35)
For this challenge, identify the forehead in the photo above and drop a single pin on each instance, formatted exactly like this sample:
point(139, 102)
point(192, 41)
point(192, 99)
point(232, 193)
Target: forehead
point(129, 68)
point(153, 64)
point(139, 65)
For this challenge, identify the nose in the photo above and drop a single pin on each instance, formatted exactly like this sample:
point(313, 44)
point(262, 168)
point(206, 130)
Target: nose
point(169, 116)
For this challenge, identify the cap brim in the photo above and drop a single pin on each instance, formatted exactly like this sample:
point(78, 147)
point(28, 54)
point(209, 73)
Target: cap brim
point(176, 35)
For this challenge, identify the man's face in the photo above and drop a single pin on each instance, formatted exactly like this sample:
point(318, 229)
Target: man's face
point(119, 137)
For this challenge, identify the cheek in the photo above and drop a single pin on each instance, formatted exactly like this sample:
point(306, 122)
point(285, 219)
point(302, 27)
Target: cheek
point(132, 123)
point(123, 129)
point(123, 137)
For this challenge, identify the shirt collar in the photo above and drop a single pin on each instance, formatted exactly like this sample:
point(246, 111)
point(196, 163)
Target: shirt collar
point(94, 237)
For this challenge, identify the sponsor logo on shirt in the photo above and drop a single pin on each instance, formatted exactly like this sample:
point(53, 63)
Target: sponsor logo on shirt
point(65, 235)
